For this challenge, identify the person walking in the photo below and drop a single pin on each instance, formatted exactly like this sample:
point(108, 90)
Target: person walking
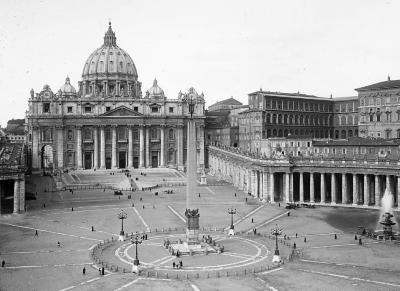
point(3, 263)
point(36, 233)
point(84, 271)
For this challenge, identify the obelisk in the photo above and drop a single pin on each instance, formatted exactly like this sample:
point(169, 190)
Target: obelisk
point(192, 215)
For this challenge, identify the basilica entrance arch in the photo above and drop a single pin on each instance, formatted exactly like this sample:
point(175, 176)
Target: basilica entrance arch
point(88, 160)
point(122, 160)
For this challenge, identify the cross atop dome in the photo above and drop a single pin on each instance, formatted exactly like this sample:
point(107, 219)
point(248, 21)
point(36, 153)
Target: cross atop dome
point(109, 37)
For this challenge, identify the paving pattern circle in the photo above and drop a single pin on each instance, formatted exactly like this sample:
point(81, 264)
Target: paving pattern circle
point(239, 253)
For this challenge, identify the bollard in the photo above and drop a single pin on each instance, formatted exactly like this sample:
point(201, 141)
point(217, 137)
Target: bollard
point(187, 276)
point(227, 274)
point(156, 274)
point(177, 275)
point(166, 275)
point(197, 275)
point(148, 274)
point(217, 274)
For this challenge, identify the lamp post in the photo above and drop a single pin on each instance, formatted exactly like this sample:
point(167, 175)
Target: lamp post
point(231, 229)
point(136, 242)
point(276, 231)
point(122, 215)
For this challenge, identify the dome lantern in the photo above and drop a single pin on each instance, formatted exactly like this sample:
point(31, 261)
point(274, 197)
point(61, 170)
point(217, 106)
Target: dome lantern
point(109, 37)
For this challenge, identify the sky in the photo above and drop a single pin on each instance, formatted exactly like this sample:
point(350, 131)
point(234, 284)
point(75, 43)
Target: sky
point(222, 48)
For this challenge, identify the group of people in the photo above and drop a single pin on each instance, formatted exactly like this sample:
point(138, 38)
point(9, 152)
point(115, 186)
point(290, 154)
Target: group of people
point(178, 265)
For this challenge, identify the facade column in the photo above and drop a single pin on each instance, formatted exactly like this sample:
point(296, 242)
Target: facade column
point(60, 147)
point(114, 147)
point(301, 187)
point(141, 146)
point(95, 148)
point(130, 147)
point(147, 146)
point(16, 196)
point(355, 189)
point(377, 190)
point(312, 198)
point(201, 160)
point(333, 189)
point(22, 195)
point(162, 150)
point(102, 148)
point(79, 147)
point(323, 191)
point(35, 147)
point(287, 187)
point(179, 148)
point(272, 188)
point(366, 190)
point(344, 189)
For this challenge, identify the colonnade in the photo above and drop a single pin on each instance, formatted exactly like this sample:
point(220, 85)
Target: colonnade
point(273, 182)
point(14, 187)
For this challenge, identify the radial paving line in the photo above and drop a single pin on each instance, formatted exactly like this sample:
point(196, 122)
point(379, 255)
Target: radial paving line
point(271, 271)
point(136, 280)
point(269, 287)
point(44, 252)
point(47, 266)
point(269, 221)
point(177, 213)
point(84, 283)
point(194, 287)
point(208, 188)
point(343, 245)
point(53, 232)
point(141, 218)
point(350, 278)
point(246, 216)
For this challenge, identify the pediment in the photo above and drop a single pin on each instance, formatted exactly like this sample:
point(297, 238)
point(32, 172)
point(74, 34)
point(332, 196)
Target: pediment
point(121, 111)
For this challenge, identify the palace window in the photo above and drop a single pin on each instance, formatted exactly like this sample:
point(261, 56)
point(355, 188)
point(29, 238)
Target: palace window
point(70, 159)
point(70, 134)
point(171, 110)
point(88, 109)
point(136, 109)
point(87, 134)
point(108, 108)
point(69, 109)
point(121, 132)
point(171, 134)
point(154, 109)
point(46, 107)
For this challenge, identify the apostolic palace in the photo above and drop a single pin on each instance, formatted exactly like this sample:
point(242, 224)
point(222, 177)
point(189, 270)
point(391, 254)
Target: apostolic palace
point(107, 123)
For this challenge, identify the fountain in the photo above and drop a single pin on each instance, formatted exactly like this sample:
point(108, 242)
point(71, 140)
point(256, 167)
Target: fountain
point(386, 221)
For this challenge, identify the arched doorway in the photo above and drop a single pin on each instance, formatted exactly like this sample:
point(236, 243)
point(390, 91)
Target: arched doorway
point(47, 158)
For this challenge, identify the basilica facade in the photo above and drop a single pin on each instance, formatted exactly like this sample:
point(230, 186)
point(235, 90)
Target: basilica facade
point(107, 123)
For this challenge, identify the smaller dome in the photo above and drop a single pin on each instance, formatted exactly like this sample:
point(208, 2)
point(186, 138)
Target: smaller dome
point(155, 91)
point(67, 88)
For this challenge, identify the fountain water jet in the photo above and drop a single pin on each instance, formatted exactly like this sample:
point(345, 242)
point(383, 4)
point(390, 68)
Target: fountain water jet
point(385, 216)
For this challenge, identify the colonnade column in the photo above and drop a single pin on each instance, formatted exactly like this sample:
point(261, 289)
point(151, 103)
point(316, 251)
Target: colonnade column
point(201, 161)
point(253, 183)
point(312, 198)
point(377, 190)
point(141, 146)
point(22, 195)
point(301, 187)
point(60, 147)
point(102, 148)
point(248, 181)
point(265, 186)
point(388, 185)
point(162, 154)
point(79, 147)
point(272, 188)
point(130, 147)
point(323, 194)
point(147, 146)
point(287, 187)
point(95, 149)
point(291, 198)
point(114, 147)
point(344, 189)
point(16, 196)
point(366, 190)
point(398, 192)
point(333, 189)
point(355, 189)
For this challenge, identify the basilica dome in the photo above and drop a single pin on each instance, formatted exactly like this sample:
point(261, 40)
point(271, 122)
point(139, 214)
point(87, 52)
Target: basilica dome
point(109, 60)
point(67, 88)
point(155, 91)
